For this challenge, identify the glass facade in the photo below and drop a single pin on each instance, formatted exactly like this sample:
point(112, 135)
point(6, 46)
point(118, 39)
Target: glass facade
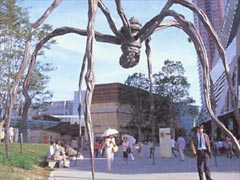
point(238, 83)
point(214, 11)
point(224, 16)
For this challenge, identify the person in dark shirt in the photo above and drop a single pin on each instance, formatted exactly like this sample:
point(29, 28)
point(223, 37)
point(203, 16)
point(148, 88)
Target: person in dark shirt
point(200, 145)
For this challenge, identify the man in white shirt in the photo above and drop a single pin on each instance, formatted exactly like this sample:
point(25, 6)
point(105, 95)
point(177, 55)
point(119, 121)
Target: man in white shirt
point(51, 150)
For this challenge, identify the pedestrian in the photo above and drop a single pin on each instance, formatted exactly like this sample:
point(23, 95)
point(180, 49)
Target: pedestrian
point(96, 148)
point(74, 144)
point(125, 149)
point(181, 144)
point(102, 149)
point(131, 151)
point(109, 144)
point(11, 134)
point(219, 147)
point(229, 147)
point(173, 147)
point(138, 148)
point(150, 144)
point(200, 145)
point(2, 135)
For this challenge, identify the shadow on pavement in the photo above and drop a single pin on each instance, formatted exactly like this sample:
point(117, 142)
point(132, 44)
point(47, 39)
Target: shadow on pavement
point(162, 165)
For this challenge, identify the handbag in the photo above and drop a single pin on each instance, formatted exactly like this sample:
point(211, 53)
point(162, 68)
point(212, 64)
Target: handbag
point(115, 148)
point(128, 150)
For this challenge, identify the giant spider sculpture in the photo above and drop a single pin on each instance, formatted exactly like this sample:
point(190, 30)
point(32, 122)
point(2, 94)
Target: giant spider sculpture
point(130, 37)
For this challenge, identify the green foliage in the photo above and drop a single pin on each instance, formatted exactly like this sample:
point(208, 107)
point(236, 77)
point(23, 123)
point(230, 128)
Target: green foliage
point(138, 80)
point(15, 30)
point(170, 91)
point(33, 154)
point(180, 131)
point(137, 96)
point(171, 82)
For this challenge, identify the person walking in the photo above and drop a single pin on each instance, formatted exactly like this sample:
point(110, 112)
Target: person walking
point(102, 149)
point(181, 144)
point(200, 145)
point(138, 148)
point(229, 147)
point(125, 147)
point(96, 148)
point(150, 144)
point(173, 147)
point(109, 144)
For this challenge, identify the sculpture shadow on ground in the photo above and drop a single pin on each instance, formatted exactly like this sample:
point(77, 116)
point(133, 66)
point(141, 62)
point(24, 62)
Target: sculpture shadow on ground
point(145, 165)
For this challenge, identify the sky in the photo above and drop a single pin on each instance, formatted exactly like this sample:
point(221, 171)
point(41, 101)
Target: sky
point(67, 54)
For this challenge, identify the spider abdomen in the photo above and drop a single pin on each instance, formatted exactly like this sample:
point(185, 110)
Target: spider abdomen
point(131, 46)
point(131, 53)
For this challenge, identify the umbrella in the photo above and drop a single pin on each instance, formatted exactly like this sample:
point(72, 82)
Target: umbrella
point(130, 138)
point(109, 131)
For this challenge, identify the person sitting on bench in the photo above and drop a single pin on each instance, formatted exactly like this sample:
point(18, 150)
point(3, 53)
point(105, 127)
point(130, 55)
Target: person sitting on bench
point(49, 158)
point(60, 155)
point(51, 150)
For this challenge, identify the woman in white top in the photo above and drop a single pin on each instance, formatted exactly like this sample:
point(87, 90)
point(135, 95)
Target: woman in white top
point(108, 144)
point(60, 155)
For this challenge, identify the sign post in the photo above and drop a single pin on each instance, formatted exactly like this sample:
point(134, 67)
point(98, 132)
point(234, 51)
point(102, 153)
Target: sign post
point(165, 142)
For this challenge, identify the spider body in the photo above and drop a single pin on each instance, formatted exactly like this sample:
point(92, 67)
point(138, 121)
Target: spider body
point(130, 45)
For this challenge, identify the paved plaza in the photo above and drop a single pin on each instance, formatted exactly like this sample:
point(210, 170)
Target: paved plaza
point(143, 169)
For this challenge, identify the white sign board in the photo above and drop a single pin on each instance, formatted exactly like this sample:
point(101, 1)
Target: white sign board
point(165, 142)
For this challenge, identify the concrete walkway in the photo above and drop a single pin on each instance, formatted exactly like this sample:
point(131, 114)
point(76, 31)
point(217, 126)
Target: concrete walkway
point(143, 169)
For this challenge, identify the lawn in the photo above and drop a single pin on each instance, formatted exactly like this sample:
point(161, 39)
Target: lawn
point(22, 166)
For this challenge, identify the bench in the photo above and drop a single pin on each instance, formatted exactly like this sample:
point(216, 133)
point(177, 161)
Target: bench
point(51, 162)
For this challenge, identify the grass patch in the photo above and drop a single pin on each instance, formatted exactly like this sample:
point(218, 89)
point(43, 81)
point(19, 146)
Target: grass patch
point(26, 165)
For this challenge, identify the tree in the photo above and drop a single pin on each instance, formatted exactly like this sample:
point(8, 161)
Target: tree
point(36, 94)
point(12, 19)
point(171, 86)
point(19, 33)
point(162, 110)
point(136, 95)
